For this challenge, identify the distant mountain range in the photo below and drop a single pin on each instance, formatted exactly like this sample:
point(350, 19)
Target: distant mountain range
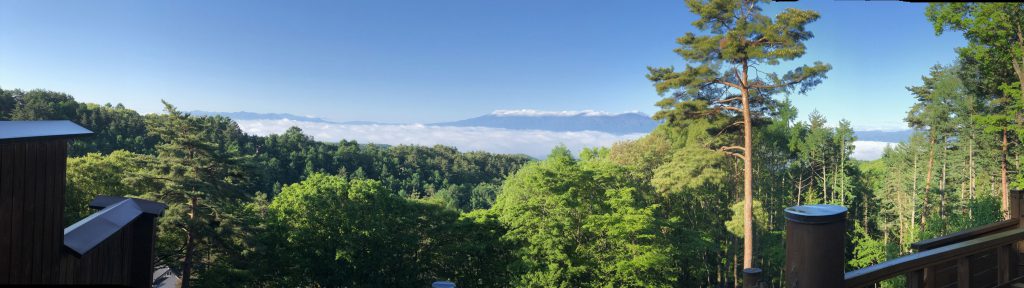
point(620, 124)
point(560, 121)
point(259, 116)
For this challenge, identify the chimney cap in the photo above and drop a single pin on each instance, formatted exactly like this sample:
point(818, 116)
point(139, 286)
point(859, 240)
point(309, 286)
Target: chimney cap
point(37, 130)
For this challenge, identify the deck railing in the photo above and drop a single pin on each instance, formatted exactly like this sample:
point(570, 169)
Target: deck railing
point(986, 256)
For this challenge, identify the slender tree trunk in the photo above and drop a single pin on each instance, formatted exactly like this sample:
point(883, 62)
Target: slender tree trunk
point(718, 270)
point(928, 180)
point(913, 193)
point(1018, 63)
point(190, 245)
point(735, 268)
point(963, 200)
point(1004, 185)
point(824, 183)
point(942, 181)
point(864, 204)
point(748, 175)
point(799, 189)
point(970, 155)
point(942, 184)
point(842, 171)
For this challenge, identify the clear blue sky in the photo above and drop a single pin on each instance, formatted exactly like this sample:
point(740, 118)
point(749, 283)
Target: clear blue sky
point(429, 61)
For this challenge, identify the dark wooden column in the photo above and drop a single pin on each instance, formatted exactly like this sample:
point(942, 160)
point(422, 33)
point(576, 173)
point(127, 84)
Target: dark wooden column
point(1016, 202)
point(752, 277)
point(815, 246)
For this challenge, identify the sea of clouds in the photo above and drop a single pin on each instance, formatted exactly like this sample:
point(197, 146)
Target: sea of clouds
point(536, 143)
point(869, 150)
point(539, 113)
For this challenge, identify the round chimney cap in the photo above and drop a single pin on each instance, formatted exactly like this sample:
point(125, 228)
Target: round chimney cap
point(442, 284)
point(816, 214)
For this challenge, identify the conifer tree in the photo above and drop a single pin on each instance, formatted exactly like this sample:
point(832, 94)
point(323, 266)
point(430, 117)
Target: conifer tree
point(995, 35)
point(197, 175)
point(728, 73)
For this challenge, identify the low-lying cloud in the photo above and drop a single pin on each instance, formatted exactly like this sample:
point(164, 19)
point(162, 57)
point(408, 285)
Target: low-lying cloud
point(869, 150)
point(539, 113)
point(536, 143)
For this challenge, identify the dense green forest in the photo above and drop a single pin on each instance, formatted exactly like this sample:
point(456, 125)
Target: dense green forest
point(688, 205)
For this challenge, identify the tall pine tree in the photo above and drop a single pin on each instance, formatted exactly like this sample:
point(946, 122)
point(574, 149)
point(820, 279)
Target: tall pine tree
point(726, 74)
point(198, 176)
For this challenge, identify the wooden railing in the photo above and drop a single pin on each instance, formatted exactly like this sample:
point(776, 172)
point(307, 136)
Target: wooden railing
point(965, 235)
point(963, 263)
point(986, 256)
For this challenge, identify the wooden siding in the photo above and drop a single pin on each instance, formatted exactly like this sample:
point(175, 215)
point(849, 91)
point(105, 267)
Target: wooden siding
point(31, 210)
point(123, 259)
point(32, 186)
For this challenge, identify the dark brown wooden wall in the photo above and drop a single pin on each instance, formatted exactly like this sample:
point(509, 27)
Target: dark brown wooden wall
point(32, 184)
point(32, 181)
point(124, 259)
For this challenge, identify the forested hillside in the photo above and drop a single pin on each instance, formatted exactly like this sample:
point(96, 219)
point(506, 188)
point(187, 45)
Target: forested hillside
point(210, 173)
point(688, 205)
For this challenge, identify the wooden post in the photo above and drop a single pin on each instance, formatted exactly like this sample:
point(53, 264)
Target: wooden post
point(1015, 204)
point(1017, 249)
point(963, 272)
point(815, 246)
point(751, 277)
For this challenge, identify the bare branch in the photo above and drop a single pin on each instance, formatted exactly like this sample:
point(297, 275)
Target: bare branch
point(727, 100)
point(726, 148)
point(733, 154)
point(727, 83)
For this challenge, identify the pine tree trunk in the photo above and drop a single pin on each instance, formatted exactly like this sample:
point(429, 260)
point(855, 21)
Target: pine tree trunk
point(748, 176)
point(190, 246)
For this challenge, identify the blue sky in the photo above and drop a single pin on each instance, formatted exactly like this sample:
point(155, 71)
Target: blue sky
point(429, 61)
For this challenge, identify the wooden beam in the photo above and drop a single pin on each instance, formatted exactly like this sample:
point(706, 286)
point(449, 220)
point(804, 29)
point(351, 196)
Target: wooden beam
point(965, 235)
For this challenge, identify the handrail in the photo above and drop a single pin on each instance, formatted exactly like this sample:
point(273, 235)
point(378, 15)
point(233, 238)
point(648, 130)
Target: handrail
point(964, 235)
point(902, 265)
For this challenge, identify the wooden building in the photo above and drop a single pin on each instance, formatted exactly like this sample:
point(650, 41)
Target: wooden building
point(113, 246)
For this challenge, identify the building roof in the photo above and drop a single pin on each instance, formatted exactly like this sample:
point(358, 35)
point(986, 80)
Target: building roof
point(150, 207)
point(86, 234)
point(34, 130)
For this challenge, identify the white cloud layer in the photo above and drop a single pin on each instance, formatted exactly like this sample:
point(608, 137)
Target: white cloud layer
point(869, 150)
point(884, 127)
point(536, 143)
point(536, 113)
